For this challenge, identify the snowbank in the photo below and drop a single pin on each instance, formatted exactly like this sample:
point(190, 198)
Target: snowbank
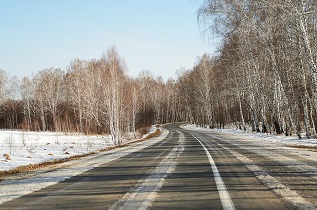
point(286, 140)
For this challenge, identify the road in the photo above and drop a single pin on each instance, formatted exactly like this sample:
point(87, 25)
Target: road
point(187, 170)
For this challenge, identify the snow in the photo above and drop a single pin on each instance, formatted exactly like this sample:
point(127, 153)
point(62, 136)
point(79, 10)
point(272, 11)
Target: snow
point(11, 189)
point(285, 150)
point(141, 197)
point(25, 148)
point(279, 139)
point(150, 130)
point(35, 147)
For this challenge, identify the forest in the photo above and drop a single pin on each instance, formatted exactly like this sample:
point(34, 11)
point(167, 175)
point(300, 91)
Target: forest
point(264, 75)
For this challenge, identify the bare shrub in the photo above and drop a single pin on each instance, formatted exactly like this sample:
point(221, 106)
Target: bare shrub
point(9, 141)
point(7, 156)
point(156, 133)
point(23, 138)
point(143, 130)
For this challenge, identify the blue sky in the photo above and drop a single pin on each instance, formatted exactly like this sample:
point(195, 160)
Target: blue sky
point(157, 35)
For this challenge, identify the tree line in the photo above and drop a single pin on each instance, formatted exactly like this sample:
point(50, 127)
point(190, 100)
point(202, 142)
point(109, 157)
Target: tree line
point(94, 96)
point(264, 75)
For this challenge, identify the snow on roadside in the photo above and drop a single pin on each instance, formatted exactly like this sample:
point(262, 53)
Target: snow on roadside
point(150, 130)
point(273, 147)
point(18, 148)
point(11, 189)
point(281, 139)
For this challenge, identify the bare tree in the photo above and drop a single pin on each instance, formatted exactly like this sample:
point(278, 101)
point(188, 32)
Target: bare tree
point(27, 94)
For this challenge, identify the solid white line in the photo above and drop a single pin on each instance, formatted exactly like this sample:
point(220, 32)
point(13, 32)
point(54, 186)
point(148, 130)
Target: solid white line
point(280, 189)
point(225, 198)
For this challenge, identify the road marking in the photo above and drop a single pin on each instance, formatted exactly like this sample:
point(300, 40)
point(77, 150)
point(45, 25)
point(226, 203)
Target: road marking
point(280, 189)
point(142, 196)
point(225, 198)
point(9, 188)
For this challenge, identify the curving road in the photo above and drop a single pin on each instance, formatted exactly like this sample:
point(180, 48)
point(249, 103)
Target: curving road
point(187, 170)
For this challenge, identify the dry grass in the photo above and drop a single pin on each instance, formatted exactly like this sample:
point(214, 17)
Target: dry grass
point(33, 167)
point(7, 157)
point(156, 133)
point(143, 130)
point(47, 164)
point(303, 147)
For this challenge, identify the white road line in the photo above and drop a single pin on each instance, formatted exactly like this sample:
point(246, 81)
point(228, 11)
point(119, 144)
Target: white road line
point(11, 189)
point(290, 196)
point(142, 196)
point(225, 198)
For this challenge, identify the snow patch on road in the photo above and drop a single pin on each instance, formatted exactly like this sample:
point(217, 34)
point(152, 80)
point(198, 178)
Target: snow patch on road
point(142, 197)
point(264, 137)
point(271, 147)
point(287, 194)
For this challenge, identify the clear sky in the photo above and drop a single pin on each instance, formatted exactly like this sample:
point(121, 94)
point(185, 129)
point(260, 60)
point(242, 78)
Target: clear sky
point(157, 35)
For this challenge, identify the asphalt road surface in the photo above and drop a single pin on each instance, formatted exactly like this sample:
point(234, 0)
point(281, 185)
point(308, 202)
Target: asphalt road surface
point(187, 170)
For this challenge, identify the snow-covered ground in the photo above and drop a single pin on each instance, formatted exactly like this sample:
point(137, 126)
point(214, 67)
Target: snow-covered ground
point(18, 148)
point(35, 147)
point(282, 139)
point(11, 189)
